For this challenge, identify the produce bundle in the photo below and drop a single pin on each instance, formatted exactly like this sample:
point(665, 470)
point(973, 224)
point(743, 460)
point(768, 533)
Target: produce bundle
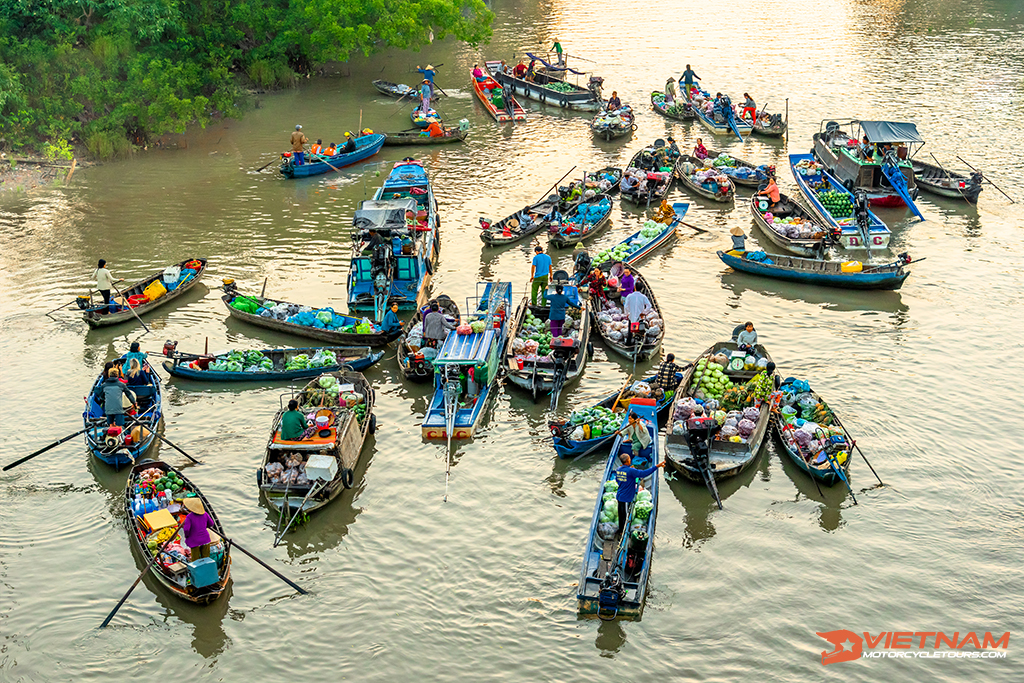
point(561, 87)
point(710, 379)
point(622, 251)
point(807, 167)
point(593, 423)
point(239, 361)
point(298, 362)
point(793, 226)
point(644, 505)
point(838, 204)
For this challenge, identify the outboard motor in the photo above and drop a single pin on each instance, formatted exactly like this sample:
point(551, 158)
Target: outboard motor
point(582, 267)
point(169, 347)
point(595, 85)
point(229, 286)
point(612, 592)
point(699, 433)
point(860, 212)
point(563, 350)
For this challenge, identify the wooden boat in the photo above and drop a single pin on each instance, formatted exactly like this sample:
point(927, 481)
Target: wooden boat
point(171, 568)
point(814, 460)
point(420, 121)
point(682, 111)
point(604, 180)
point(98, 314)
point(617, 400)
point(467, 365)
point(509, 111)
point(812, 180)
point(753, 177)
point(819, 272)
point(613, 581)
point(341, 441)
point(645, 161)
point(414, 360)
point(400, 139)
point(565, 94)
point(565, 363)
point(720, 194)
point(583, 222)
point(637, 249)
point(527, 221)
point(196, 367)
point(119, 450)
point(403, 212)
point(729, 124)
point(946, 183)
point(400, 90)
point(769, 125)
point(366, 147)
point(612, 125)
point(335, 337)
point(787, 208)
point(651, 343)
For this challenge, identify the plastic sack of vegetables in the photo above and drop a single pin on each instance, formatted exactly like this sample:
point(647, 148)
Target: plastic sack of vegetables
point(746, 427)
point(611, 485)
point(327, 381)
point(751, 414)
point(607, 530)
point(642, 509)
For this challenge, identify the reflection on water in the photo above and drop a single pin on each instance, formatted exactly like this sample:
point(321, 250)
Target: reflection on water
point(611, 637)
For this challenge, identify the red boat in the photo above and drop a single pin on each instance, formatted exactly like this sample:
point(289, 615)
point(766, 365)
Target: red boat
point(509, 111)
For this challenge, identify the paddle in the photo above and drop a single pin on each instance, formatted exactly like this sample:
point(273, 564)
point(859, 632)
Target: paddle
point(130, 308)
point(950, 178)
point(839, 472)
point(338, 170)
point(985, 178)
point(232, 542)
point(267, 164)
point(151, 562)
point(853, 441)
point(47, 314)
point(44, 449)
point(615, 403)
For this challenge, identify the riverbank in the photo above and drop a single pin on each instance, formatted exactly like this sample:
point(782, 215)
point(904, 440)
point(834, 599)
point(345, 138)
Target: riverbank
point(27, 174)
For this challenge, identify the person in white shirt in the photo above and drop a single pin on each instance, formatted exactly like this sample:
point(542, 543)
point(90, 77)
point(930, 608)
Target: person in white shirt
point(105, 280)
point(635, 305)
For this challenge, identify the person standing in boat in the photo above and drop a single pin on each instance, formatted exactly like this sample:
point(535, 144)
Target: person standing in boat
point(739, 239)
point(627, 283)
point(688, 77)
point(670, 91)
point(293, 422)
point(114, 390)
point(435, 325)
point(425, 91)
point(626, 476)
point(105, 280)
point(557, 47)
point(428, 75)
point(196, 529)
point(614, 103)
point(666, 378)
point(635, 305)
point(298, 146)
point(764, 383)
point(749, 106)
point(540, 272)
point(559, 303)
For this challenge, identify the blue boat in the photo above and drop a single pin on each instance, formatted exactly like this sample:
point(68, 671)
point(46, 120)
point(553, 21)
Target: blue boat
point(613, 582)
point(718, 122)
point(421, 121)
point(812, 179)
point(366, 147)
point(828, 462)
point(568, 448)
point(403, 215)
point(583, 222)
point(637, 249)
point(119, 450)
point(466, 366)
point(819, 272)
point(196, 367)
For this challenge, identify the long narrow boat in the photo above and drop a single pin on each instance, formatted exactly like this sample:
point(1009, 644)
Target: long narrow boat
point(604, 180)
point(527, 221)
point(300, 476)
point(817, 187)
point(946, 183)
point(725, 458)
point(583, 222)
point(423, 121)
point(342, 333)
point(819, 272)
point(404, 138)
point(400, 90)
point(509, 109)
point(550, 87)
point(100, 315)
point(769, 125)
point(415, 359)
point(366, 147)
point(150, 530)
point(403, 214)
point(827, 447)
point(562, 430)
point(198, 367)
point(741, 172)
point(680, 111)
point(557, 361)
point(643, 182)
point(467, 365)
point(644, 242)
point(125, 446)
point(788, 217)
point(718, 122)
point(611, 125)
point(613, 581)
point(614, 333)
point(837, 146)
point(712, 188)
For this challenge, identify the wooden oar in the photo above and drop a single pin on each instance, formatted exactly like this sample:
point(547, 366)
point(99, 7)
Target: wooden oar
point(130, 308)
point(854, 443)
point(985, 177)
point(267, 164)
point(148, 565)
point(44, 449)
point(232, 542)
point(338, 170)
point(168, 442)
point(615, 403)
point(47, 314)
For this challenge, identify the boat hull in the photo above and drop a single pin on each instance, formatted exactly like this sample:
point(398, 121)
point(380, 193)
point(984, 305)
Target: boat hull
point(335, 338)
point(580, 100)
point(405, 139)
point(866, 280)
point(182, 371)
point(801, 247)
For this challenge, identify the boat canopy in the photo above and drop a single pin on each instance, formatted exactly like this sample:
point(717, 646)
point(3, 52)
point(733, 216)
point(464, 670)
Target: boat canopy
point(406, 174)
point(888, 131)
point(465, 349)
point(383, 214)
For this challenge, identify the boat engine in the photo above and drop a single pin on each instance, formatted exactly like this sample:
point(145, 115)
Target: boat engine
point(595, 85)
point(699, 433)
point(860, 212)
point(612, 592)
point(169, 347)
point(582, 266)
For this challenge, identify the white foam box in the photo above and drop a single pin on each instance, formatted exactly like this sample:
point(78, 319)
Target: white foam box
point(321, 467)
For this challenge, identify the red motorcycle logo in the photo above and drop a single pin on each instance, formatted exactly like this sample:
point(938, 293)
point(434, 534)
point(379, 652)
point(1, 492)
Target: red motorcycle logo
point(848, 646)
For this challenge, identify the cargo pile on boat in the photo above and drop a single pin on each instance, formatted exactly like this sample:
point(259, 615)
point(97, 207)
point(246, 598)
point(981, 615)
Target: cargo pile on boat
point(622, 251)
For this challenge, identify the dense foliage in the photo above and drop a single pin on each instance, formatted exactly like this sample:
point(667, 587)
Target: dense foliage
point(113, 73)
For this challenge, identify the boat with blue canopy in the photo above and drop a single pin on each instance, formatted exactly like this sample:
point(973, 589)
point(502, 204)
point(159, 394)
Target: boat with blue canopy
point(366, 147)
point(124, 444)
point(853, 224)
point(467, 364)
point(395, 243)
point(613, 581)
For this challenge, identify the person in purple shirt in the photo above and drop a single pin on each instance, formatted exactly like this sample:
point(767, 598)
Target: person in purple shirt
point(195, 528)
point(627, 283)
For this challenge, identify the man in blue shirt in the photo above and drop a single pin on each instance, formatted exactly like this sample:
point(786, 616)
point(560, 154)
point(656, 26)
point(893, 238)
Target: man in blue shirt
point(540, 271)
point(626, 476)
point(558, 303)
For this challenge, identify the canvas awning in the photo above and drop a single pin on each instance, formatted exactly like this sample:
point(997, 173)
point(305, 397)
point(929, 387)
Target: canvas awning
point(888, 131)
point(387, 214)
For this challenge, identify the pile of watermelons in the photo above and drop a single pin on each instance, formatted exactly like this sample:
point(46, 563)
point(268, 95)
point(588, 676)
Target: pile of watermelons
point(838, 203)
